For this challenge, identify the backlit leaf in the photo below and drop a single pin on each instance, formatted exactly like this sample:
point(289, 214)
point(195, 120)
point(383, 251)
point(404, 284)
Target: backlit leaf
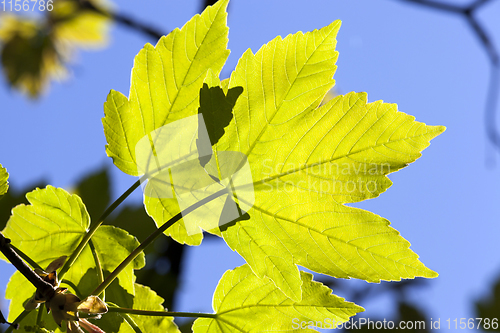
point(307, 162)
point(144, 299)
point(147, 299)
point(52, 226)
point(245, 303)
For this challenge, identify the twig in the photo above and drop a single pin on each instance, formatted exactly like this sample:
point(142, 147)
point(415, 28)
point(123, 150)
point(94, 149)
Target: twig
point(161, 313)
point(152, 237)
point(93, 228)
point(477, 4)
point(468, 12)
point(491, 106)
point(439, 5)
point(3, 321)
point(484, 38)
point(123, 19)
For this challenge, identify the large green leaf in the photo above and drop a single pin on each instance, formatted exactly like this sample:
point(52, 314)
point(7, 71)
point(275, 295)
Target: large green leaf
point(244, 303)
point(165, 84)
point(307, 161)
point(52, 226)
point(4, 184)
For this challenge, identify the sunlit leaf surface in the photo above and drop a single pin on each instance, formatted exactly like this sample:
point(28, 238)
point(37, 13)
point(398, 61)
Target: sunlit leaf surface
point(245, 303)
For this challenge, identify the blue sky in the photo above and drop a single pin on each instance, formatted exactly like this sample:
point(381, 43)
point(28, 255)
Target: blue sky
point(428, 62)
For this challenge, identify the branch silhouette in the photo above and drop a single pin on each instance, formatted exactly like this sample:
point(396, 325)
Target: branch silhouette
point(124, 19)
point(468, 14)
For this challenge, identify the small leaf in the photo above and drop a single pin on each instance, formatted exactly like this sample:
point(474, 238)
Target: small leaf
point(56, 264)
point(4, 184)
point(52, 226)
point(147, 299)
point(245, 303)
point(92, 305)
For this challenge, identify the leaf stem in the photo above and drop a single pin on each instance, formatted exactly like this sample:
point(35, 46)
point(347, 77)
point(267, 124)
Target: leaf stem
point(100, 275)
point(75, 288)
point(131, 322)
point(94, 226)
point(152, 237)
point(162, 313)
point(39, 315)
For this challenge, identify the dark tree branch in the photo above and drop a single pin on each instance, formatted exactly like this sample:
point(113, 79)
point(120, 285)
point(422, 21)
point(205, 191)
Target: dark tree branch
point(468, 14)
point(45, 288)
point(491, 51)
point(477, 4)
point(484, 39)
point(4, 321)
point(123, 19)
point(438, 5)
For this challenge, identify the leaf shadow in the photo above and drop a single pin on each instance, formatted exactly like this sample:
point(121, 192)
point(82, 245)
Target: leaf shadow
point(217, 110)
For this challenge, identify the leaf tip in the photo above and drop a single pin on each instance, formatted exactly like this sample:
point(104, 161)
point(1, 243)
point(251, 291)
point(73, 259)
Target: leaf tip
point(440, 129)
point(434, 131)
point(431, 274)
